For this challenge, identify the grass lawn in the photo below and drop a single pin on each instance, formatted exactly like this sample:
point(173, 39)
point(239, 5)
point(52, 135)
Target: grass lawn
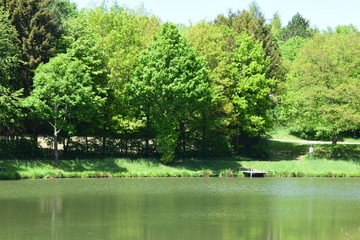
point(181, 168)
point(308, 168)
point(285, 159)
point(116, 168)
point(285, 134)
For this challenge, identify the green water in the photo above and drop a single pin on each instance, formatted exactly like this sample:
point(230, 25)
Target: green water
point(182, 208)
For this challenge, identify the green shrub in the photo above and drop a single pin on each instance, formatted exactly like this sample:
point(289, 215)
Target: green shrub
point(226, 173)
point(207, 173)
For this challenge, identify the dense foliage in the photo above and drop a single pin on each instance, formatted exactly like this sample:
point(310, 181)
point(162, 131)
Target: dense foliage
point(323, 87)
point(116, 81)
point(172, 89)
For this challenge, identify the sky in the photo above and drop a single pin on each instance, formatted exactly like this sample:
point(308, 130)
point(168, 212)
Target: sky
point(321, 13)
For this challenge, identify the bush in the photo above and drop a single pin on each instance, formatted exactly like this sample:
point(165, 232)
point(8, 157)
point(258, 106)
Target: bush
point(226, 173)
point(207, 173)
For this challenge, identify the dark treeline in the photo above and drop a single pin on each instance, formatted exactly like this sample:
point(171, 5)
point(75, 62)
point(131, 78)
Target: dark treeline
point(115, 81)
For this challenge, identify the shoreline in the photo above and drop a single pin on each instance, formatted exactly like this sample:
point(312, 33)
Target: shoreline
point(152, 168)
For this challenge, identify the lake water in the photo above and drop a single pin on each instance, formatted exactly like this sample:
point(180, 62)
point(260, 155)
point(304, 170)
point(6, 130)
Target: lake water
point(181, 208)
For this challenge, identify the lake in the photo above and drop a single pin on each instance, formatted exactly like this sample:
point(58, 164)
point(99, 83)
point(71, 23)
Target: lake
point(181, 208)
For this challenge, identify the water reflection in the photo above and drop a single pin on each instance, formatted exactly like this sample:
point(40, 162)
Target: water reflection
point(267, 208)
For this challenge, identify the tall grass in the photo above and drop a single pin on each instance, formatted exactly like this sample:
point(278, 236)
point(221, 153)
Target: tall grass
point(288, 133)
point(184, 168)
point(308, 168)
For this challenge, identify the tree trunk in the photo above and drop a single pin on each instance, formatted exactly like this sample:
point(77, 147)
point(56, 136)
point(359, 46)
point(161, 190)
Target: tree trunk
point(147, 136)
point(203, 136)
point(35, 139)
point(66, 143)
point(334, 142)
point(126, 147)
point(104, 145)
point(147, 149)
point(86, 144)
point(236, 144)
point(182, 139)
point(56, 151)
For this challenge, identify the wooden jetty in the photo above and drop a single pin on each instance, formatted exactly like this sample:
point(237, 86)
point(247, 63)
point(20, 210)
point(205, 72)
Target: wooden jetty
point(252, 173)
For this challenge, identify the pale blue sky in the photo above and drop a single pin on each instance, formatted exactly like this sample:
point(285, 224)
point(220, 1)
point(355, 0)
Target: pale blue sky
point(321, 13)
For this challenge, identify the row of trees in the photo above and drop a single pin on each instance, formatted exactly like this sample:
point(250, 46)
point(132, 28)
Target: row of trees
point(213, 87)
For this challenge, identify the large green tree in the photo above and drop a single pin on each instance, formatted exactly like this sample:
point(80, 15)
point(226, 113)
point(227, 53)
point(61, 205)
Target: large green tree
point(275, 25)
point(249, 90)
point(121, 34)
point(9, 110)
point(172, 88)
point(253, 23)
point(63, 94)
point(298, 26)
point(38, 28)
point(84, 45)
point(323, 86)
point(242, 81)
point(9, 52)
point(290, 48)
point(216, 44)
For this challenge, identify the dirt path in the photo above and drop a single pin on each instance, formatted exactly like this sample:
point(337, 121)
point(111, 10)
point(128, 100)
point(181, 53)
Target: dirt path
point(312, 142)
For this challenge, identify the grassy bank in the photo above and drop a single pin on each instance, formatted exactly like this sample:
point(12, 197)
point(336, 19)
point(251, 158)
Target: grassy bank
point(287, 133)
point(284, 159)
point(309, 168)
point(181, 168)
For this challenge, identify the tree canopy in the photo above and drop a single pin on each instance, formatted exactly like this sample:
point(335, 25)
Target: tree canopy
point(38, 28)
point(253, 23)
point(250, 88)
point(171, 86)
point(9, 52)
point(298, 26)
point(125, 83)
point(323, 86)
point(63, 93)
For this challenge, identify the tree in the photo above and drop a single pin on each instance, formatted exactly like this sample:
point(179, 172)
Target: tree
point(9, 52)
point(64, 8)
point(346, 29)
point(215, 44)
point(275, 26)
point(172, 88)
point(323, 86)
point(121, 34)
point(63, 92)
point(38, 28)
point(289, 52)
point(9, 109)
point(298, 26)
point(290, 48)
point(249, 90)
point(343, 29)
point(252, 22)
point(84, 45)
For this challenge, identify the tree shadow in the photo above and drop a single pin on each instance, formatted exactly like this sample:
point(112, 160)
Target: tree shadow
point(216, 165)
point(9, 170)
point(343, 152)
point(286, 151)
point(105, 165)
